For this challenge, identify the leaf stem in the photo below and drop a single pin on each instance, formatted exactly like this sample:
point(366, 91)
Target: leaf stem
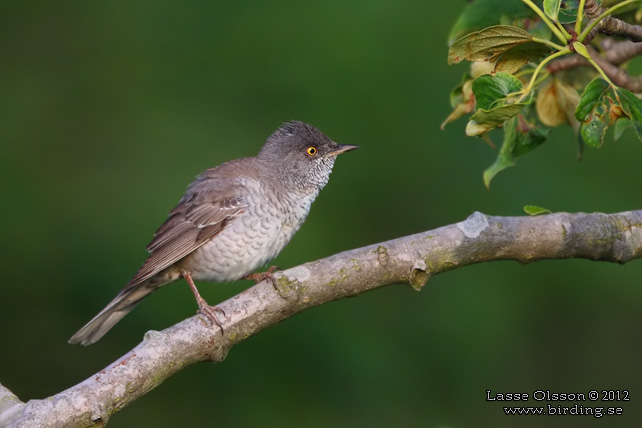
point(563, 30)
point(544, 76)
point(549, 43)
point(582, 50)
point(602, 73)
point(524, 72)
point(606, 13)
point(547, 21)
point(580, 16)
point(539, 68)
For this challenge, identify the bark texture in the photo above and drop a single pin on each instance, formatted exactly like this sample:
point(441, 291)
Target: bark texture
point(410, 260)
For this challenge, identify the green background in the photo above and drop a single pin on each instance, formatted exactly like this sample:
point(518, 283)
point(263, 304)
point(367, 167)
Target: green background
point(109, 109)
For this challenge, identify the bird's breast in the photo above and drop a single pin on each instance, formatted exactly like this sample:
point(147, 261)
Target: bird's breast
point(253, 239)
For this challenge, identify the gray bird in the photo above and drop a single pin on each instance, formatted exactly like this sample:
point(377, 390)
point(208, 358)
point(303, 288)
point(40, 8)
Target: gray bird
point(233, 219)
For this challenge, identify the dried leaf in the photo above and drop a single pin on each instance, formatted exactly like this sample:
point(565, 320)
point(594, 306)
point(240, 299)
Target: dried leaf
point(548, 108)
point(487, 44)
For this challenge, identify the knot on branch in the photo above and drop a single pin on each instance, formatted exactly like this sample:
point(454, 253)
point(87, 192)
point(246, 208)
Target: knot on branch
point(474, 225)
point(287, 288)
point(382, 255)
point(592, 9)
point(419, 275)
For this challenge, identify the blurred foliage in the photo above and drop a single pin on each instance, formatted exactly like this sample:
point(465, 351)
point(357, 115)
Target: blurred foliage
point(481, 35)
point(108, 111)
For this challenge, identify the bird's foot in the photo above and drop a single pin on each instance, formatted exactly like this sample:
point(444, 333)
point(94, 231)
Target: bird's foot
point(262, 276)
point(210, 313)
point(203, 307)
point(287, 292)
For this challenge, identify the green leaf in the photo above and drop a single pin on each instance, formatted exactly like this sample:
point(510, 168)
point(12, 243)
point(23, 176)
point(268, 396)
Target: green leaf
point(568, 11)
point(483, 13)
point(597, 110)
point(494, 107)
point(489, 89)
point(535, 210)
point(552, 8)
point(632, 107)
point(600, 105)
point(485, 120)
point(581, 49)
point(621, 125)
point(487, 44)
point(520, 137)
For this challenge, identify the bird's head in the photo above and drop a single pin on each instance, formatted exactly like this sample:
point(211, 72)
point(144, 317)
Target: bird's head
point(301, 154)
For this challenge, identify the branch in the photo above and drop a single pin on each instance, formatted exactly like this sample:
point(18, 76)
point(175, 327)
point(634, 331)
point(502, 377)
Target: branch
point(610, 25)
point(10, 406)
point(619, 53)
point(409, 260)
point(618, 75)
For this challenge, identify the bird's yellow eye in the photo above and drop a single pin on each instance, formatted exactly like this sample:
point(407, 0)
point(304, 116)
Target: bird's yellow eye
point(312, 151)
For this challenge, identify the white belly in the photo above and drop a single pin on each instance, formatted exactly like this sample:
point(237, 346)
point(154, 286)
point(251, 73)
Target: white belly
point(249, 242)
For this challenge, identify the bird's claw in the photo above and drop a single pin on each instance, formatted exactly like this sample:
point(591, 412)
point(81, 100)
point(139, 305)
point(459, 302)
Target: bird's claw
point(262, 276)
point(210, 313)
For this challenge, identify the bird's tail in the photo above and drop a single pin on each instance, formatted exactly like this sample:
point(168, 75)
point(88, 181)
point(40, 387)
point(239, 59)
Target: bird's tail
point(126, 300)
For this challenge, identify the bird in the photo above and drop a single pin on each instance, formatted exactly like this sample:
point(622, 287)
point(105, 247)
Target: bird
point(232, 219)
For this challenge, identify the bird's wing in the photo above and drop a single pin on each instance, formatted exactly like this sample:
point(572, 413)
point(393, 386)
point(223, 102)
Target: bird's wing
point(209, 205)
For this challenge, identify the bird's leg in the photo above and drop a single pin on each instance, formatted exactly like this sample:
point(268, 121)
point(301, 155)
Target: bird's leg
point(261, 276)
point(203, 306)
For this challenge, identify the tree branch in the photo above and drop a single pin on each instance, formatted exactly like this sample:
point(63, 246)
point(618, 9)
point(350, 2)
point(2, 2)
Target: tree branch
point(410, 260)
point(618, 75)
point(617, 53)
point(610, 25)
point(10, 406)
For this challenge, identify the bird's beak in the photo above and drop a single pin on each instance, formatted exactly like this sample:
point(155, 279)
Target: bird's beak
point(342, 148)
